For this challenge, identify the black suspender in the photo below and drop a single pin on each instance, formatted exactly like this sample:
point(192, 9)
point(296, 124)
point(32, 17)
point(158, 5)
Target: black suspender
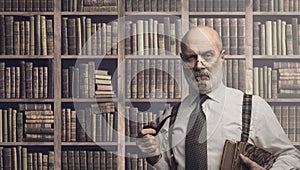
point(246, 116)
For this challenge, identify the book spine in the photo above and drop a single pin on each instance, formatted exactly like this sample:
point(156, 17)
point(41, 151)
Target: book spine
point(37, 46)
point(65, 36)
point(2, 35)
point(35, 87)
point(262, 39)
point(32, 35)
point(140, 79)
point(295, 36)
point(8, 82)
point(16, 38)
point(128, 78)
point(13, 82)
point(43, 36)
point(65, 81)
point(71, 36)
point(27, 38)
point(2, 80)
point(9, 27)
point(50, 36)
point(94, 38)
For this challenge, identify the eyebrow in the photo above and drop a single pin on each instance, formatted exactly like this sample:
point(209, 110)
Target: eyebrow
point(209, 51)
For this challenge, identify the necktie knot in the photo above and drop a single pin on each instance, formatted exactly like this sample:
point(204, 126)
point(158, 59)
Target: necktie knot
point(203, 98)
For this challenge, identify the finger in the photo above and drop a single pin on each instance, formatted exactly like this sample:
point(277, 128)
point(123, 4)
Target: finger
point(149, 131)
point(153, 124)
point(248, 162)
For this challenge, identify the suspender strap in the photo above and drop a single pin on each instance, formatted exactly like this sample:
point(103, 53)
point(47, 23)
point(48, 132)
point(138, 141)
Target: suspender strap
point(246, 116)
point(173, 163)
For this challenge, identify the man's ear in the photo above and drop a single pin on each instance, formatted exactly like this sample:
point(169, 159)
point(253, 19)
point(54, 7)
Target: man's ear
point(222, 55)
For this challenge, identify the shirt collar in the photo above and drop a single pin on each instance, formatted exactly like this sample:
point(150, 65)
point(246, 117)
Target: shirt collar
point(216, 95)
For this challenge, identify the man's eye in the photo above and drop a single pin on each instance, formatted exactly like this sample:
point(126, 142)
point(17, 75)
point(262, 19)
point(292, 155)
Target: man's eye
point(207, 55)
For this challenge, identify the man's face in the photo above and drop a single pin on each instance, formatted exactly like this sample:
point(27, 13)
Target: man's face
point(203, 60)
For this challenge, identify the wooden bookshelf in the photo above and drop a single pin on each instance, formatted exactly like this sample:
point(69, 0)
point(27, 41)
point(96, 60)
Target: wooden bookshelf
point(121, 101)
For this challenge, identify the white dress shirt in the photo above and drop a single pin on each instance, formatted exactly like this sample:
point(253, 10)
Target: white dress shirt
point(223, 112)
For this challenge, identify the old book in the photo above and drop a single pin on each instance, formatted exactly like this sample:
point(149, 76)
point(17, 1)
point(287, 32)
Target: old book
point(16, 38)
point(155, 38)
point(2, 80)
point(147, 78)
point(32, 35)
point(291, 5)
point(128, 37)
point(274, 84)
point(225, 5)
point(71, 163)
point(63, 125)
point(91, 79)
point(1, 127)
point(83, 80)
point(229, 73)
point(262, 39)
point(264, 5)
point(27, 38)
point(65, 81)
point(178, 33)
point(292, 123)
point(256, 5)
point(134, 78)
point(13, 82)
point(128, 78)
point(50, 5)
point(256, 38)
point(35, 86)
point(77, 159)
point(7, 158)
point(94, 38)
point(73, 126)
point(217, 5)
point(178, 79)
point(65, 36)
point(289, 39)
point(71, 36)
point(128, 6)
point(40, 82)
point(45, 82)
point(278, 37)
point(68, 124)
point(2, 36)
point(226, 35)
point(50, 36)
point(193, 5)
point(265, 81)
point(140, 37)
point(8, 82)
point(75, 91)
point(81, 137)
point(43, 5)
point(7, 5)
point(232, 150)
point(36, 5)
point(295, 36)
point(108, 39)
point(114, 38)
point(242, 75)
point(159, 79)
point(22, 38)
point(9, 34)
point(255, 81)
point(146, 37)
point(241, 36)
point(64, 157)
point(208, 5)
point(269, 82)
point(233, 36)
point(2, 5)
point(161, 39)
point(37, 46)
point(233, 5)
point(165, 79)
point(261, 82)
point(79, 36)
point(140, 79)
point(14, 125)
point(5, 125)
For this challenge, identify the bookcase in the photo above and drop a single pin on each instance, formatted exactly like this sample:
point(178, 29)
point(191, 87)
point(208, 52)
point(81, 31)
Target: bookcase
point(239, 22)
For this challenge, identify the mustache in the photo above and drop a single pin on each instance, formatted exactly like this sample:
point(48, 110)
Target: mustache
point(201, 73)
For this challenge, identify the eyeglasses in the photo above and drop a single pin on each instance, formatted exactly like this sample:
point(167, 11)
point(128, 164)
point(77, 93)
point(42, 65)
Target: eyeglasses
point(208, 57)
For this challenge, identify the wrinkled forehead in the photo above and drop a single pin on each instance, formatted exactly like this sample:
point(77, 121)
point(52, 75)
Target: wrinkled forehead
point(199, 39)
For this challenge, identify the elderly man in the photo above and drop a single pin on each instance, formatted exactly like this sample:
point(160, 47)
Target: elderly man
point(216, 110)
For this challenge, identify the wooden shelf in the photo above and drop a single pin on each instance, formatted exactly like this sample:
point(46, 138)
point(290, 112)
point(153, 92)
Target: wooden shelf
point(296, 143)
point(284, 100)
point(71, 100)
point(22, 13)
point(98, 13)
point(26, 143)
point(152, 57)
point(218, 13)
point(89, 144)
point(26, 57)
point(26, 100)
point(152, 100)
point(152, 13)
point(235, 56)
point(277, 13)
point(272, 57)
point(89, 57)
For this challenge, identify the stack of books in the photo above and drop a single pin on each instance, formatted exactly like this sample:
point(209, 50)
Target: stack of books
point(103, 85)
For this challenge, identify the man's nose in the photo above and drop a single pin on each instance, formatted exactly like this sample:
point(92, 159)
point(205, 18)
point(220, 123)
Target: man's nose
point(200, 62)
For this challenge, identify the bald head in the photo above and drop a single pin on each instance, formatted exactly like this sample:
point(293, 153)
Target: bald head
point(201, 34)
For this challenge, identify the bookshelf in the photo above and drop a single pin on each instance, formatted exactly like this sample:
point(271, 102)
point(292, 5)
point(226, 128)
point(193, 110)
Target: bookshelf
point(60, 61)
